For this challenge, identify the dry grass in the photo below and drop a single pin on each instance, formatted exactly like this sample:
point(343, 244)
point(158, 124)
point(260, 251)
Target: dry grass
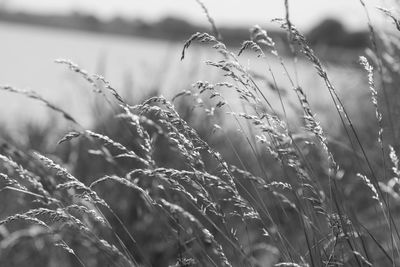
point(300, 203)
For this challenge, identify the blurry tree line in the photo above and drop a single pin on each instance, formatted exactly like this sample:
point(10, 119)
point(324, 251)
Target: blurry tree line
point(329, 32)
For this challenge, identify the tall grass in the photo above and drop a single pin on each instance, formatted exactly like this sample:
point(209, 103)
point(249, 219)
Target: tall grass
point(157, 192)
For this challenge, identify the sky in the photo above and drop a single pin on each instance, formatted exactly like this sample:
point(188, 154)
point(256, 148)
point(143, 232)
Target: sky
point(304, 13)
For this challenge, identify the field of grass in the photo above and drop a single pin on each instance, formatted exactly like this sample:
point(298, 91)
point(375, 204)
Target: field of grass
point(239, 172)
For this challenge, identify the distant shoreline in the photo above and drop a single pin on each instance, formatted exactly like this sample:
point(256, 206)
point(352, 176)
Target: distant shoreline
point(172, 29)
point(329, 32)
point(332, 42)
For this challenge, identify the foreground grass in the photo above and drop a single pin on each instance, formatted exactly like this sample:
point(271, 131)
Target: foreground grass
point(156, 192)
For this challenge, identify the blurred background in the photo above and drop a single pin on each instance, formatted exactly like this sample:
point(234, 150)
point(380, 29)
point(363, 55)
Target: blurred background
point(136, 45)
